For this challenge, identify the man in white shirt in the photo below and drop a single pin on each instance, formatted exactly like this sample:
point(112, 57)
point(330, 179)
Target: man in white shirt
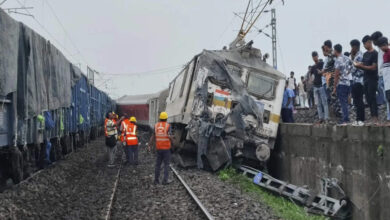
point(302, 92)
point(292, 82)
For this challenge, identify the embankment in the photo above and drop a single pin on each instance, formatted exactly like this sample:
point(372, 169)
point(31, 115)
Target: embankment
point(359, 157)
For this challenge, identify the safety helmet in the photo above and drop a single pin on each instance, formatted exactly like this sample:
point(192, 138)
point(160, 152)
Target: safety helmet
point(133, 119)
point(163, 116)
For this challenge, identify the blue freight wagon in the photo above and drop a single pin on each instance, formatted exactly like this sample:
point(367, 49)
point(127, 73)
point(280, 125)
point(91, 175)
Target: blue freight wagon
point(47, 105)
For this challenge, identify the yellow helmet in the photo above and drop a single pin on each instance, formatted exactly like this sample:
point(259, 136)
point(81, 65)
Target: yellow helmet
point(133, 119)
point(163, 116)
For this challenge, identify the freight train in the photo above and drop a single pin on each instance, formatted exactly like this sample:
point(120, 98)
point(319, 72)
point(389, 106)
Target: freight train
point(48, 107)
point(224, 104)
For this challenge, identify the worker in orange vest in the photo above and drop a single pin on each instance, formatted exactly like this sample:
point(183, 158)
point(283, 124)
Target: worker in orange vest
point(163, 146)
point(130, 140)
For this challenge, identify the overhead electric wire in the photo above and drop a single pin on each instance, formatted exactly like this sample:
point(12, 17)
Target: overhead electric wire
point(253, 12)
point(281, 53)
point(224, 31)
point(65, 31)
point(243, 20)
point(43, 27)
point(265, 5)
point(149, 72)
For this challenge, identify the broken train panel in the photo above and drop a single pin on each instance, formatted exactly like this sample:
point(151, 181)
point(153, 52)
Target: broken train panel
point(225, 104)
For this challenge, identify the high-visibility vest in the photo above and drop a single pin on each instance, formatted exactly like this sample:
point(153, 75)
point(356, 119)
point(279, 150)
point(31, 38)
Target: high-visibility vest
point(109, 130)
point(129, 130)
point(162, 138)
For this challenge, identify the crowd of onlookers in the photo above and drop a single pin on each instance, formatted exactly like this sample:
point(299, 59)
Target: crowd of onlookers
point(341, 79)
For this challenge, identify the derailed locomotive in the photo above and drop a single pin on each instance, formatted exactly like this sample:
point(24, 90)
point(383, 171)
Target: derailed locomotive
point(225, 104)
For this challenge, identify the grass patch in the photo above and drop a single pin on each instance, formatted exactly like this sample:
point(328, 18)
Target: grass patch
point(282, 207)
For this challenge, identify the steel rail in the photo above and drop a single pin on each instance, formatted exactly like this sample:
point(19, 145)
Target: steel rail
point(109, 207)
point(194, 197)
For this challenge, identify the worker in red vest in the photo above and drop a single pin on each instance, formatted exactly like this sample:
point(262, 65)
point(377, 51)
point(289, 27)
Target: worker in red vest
point(163, 146)
point(129, 138)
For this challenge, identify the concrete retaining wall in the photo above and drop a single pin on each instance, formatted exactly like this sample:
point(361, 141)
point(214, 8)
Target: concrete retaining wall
point(304, 153)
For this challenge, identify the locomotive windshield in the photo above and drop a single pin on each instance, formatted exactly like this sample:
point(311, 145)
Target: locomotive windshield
point(261, 86)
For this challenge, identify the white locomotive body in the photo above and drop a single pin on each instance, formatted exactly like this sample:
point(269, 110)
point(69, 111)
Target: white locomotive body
point(224, 104)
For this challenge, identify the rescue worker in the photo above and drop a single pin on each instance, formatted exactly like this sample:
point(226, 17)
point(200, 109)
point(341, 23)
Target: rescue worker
point(118, 122)
point(111, 137)
point(130, 140)
point(162, 139)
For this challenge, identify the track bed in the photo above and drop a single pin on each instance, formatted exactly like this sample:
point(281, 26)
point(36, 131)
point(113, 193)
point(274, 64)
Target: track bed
point(82, 186)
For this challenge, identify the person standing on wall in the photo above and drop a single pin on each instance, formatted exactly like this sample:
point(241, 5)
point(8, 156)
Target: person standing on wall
point(292, 84)
point(383, 43)
point(162, 139)
point(319, 89)
point(287, 105)
point(111, 137)
point(309, 88)
point(130, 140)
point(381, 93)
point(357, 83)
point(302, 92)
point(369, 65)
point(342, 82)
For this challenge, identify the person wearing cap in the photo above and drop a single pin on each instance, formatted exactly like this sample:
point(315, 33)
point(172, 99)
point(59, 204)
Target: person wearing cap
point(369, 65)
point(357, 83)
point(163, 141)
point(383, 43)
point(130, 140)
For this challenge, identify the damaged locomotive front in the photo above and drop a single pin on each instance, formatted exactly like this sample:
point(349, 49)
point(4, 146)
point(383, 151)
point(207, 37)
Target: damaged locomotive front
point(225, 104)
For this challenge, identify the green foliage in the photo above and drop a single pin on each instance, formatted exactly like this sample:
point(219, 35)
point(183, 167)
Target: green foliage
point(379, 150)
point(282, 207)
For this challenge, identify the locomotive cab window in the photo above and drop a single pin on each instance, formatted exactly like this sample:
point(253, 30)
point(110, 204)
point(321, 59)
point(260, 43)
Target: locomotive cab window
point(261, 86)
point(234, 69)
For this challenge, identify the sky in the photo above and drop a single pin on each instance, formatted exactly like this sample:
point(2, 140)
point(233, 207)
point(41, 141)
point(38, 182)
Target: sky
point(139, 46)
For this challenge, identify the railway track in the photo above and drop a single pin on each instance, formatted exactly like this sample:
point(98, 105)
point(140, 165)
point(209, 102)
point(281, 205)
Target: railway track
point(110, 206)
point(192, 194)
point(82, 187)
point(112, 197)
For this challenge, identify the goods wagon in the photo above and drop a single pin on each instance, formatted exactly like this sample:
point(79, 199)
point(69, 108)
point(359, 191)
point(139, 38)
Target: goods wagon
point(225, 104)
point(47, 106)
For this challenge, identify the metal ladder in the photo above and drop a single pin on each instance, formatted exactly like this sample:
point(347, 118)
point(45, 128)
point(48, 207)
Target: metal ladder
point(318, 204)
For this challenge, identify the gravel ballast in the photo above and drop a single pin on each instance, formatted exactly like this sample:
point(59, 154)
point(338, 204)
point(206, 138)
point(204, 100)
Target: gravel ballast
point(76, 188)
point(224, 200)
point(80, 187)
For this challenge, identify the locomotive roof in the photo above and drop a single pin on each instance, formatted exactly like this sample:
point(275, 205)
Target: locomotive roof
point(248, 60)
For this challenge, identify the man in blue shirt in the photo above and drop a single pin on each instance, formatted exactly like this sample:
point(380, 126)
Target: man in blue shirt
point(287, 105)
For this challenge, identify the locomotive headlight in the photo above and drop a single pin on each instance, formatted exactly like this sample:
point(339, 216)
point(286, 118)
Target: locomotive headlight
point(251, 121)
point(263, 152)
